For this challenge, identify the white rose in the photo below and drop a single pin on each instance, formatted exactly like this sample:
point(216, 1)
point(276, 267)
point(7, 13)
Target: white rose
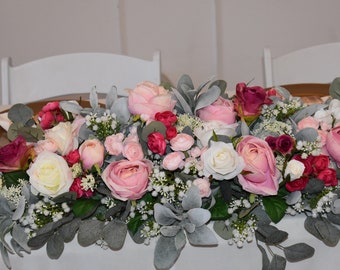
point(222, 161)
point(49, 174)
point(295, 169)
point(204, 134)
point(63, 137)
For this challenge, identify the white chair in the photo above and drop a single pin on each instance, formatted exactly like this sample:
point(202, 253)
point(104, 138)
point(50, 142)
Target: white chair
point(75, 73)
point(317, 64)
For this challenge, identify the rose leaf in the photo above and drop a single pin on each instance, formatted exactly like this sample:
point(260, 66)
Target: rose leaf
point(275, 207)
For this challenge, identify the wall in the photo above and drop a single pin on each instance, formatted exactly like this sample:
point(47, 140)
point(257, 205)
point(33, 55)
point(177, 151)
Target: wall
point(202, 38)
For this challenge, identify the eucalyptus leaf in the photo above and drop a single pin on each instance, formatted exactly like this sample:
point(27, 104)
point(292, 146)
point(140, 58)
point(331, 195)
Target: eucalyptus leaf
point(90, 231)
point(166, 253)
point(265, 259)
point(293, 197)
point(114, 234)
point(330, 234)
point(277, 263)
point(154, 126)
point(298, 252)
point(314, 186)
point(39, 241)
point(20, 113)
point(222, 230)
point(334, 89)
point(307, 134)
point(335, 207)
point(55, 246)
point(69, 230)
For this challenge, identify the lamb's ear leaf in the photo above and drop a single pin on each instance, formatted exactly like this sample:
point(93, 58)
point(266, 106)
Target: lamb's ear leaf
point(207, 98)
point(166, 252)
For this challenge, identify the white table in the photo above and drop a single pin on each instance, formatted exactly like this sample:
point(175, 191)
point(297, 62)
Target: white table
point(134, 256)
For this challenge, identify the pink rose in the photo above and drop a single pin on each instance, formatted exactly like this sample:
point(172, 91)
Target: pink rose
point(148, 98)
point(262, 176)
point(221, 110)
point(182, 142)
point(249, 101)
point(45, 145)
point(173, 161)
point(308, 122)
point(333, 144)
point(133, 151)
point(203, 185)
point(114, 144)
point(127, 179)
point(16, 155)
point(91, 153)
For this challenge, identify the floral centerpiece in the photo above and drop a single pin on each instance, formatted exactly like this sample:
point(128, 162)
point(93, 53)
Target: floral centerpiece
point(163, 163)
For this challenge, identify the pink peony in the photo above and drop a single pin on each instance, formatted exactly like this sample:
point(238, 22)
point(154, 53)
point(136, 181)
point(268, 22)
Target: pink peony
point(173, 161)
point(203, 185)
point(182, 142)
point(133, 151)
point(333, 144)
point(114, 144)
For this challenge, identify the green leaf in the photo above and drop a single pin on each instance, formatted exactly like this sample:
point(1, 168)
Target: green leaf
point(275, 207)
point(334, 89)
point(135, 223)
point(220, 209)
point(20, 113)
point(85, 207)
point(298, 252)
point(11, 178)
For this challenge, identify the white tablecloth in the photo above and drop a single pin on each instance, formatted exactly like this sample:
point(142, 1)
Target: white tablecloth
point(134, 256)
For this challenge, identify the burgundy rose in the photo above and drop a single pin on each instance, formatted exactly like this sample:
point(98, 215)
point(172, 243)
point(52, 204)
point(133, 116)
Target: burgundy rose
point(76, 187)
point(72, 157)
point(249, 101)
point(328, 176)
point(320, 163)
point(298, 184)
point(271, 142)
point(167, 118)
point(15, 155)
point(284, 144)
point(156, 143)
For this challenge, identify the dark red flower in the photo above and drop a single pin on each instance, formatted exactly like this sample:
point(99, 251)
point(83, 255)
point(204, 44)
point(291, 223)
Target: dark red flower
point(72, 157)
point(285, 144)
point(16, 155)
point(328, 176)
point(320, 163)
point(271, 142)
point(50, 115)
point(156, 143)
point(167, 118)
point(171, 132)
point(76, 187)
point(298, 184)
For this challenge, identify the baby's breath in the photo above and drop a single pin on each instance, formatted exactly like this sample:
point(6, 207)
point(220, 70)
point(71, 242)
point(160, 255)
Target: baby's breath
point(187, 120)
point(104, 125)
point(273, 127)
point(13, 193)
